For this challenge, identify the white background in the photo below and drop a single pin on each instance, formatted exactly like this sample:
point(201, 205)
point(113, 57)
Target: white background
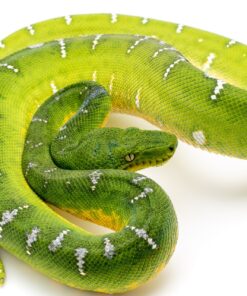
point(209, 192)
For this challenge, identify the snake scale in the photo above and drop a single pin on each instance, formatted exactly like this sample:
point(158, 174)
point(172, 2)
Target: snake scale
point(59, 81)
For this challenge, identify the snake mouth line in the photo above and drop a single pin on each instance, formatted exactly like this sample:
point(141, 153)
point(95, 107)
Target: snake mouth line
point(147, 163)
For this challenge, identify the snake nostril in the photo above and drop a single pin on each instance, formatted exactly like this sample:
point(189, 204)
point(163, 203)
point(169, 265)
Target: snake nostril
point(171, 148)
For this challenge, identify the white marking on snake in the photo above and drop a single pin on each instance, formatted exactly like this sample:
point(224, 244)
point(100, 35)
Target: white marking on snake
point(109, 248)
point(38, 45)
point(163, 49)
point(231, 43)
point(8, 216)
point(80, 254)
point(168, 70)
point(207, 65)
point(145, 20)
point(94, 76)
point(137, 98)
point(179, 29)
point(62, 137)
point(136, 43)
point(30, 166)
point(94, 178)
point(45, 184)
point(9, 67)
point(57, 242)
point(68, 19)
point(32, 237)
point(51, 170)
point(62, 48)
point(62, 128)
point(114, 18)
point(83, 110)
point(140, 232)
point(217, 89)
point(53, 87)
point(36, 145)
point(111, 83)
point(161, 42)
point(200, 40)
point(138, 179)
point(158, 52)
point(142, 195)
point(85, 88)
point(96, 41)
point(31, 30)
point(37, 119)
point(2, 45)
point(199, 137)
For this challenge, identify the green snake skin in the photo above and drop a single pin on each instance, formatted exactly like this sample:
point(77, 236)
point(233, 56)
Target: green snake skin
point(59, 80)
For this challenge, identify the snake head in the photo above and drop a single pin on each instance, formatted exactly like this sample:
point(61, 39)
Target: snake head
point(145, 148)
point(116, 148)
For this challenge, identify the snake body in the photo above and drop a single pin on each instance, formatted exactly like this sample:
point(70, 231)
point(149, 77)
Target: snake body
point(95, 64)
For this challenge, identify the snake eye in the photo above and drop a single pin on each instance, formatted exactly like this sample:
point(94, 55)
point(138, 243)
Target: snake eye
point(129, 157)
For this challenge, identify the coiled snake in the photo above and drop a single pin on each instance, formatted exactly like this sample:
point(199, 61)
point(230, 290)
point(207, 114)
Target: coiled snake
point(59, 81)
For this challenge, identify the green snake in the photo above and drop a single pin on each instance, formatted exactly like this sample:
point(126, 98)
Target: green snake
point(59, 81)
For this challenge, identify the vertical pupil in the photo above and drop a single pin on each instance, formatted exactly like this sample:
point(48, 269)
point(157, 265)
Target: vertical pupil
point(130, 157)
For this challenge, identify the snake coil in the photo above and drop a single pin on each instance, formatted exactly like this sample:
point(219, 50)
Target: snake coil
point(59, 79)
